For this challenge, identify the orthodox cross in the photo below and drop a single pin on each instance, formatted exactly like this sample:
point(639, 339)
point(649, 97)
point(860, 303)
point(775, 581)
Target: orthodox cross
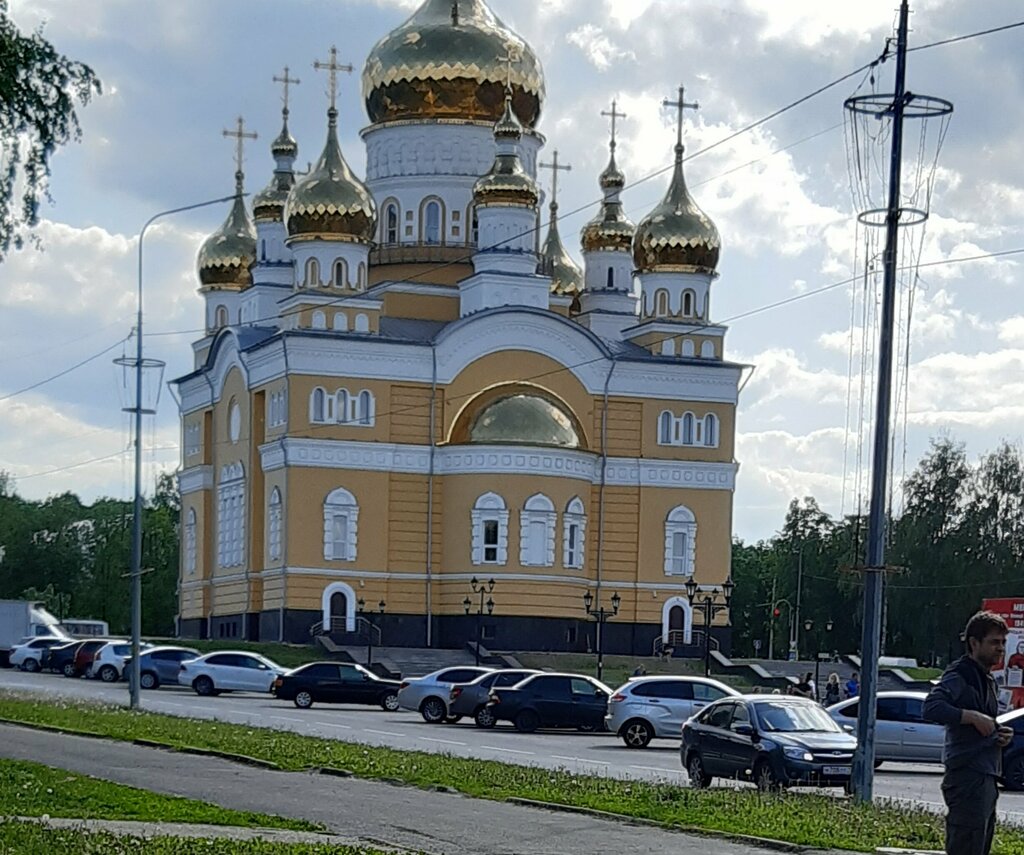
point(613, 115)
point(511, 55)
point(240, 135)
point(455, 13)
point(555, 168)
point(332, 68)
point(680, 105)
point(288, 81)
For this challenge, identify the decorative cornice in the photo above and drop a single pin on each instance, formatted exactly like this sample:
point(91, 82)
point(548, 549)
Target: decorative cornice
point(194, 479)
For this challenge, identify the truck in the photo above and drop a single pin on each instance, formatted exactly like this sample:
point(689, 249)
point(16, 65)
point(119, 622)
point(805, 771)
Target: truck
point(20, 619)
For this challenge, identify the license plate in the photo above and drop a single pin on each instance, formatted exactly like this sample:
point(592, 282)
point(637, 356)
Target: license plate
point(836, 770)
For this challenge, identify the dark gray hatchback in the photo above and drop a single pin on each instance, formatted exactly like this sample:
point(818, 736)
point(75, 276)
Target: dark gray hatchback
point(773, 741)
point(471, 699)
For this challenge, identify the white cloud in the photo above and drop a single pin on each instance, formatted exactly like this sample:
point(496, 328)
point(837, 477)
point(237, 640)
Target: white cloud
point(597, 47)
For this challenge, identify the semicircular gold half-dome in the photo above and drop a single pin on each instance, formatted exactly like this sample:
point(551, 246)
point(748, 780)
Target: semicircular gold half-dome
point(524, 419)
point(677, 236)
point(226, 256)
point(444, 63)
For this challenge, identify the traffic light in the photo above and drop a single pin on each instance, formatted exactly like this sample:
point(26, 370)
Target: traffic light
point(776, 612)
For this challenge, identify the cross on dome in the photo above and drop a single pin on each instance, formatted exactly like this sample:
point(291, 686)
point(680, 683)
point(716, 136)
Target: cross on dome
point(241, 135)
point(680, 105)
point(512, 54)
point(332, 67)
point(287, 81)
point(555, 168)
point(613, 114)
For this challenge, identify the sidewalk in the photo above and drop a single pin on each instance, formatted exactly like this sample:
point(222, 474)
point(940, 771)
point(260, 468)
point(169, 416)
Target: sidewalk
point(367, 812)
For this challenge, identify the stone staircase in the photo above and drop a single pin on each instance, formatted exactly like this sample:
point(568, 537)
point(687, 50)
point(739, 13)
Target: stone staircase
point(408, 661)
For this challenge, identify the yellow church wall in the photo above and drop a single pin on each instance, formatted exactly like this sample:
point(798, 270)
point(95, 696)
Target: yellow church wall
point(229, 598)
point(625, 426)
point(409, 418)
point(407, 529)
point(723, 453)
point(301, 389)
point(426, 307)
point(429, 273)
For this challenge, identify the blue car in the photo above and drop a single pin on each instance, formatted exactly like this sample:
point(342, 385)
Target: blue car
point(774, 741)
point(160, 665)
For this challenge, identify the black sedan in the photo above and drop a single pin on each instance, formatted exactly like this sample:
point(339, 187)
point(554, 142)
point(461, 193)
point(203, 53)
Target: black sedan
point(552, 700)
point(62, 659)
point(336, 683)
point(774, 741)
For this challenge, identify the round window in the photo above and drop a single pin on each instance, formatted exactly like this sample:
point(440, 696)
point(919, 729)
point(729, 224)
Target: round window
point(234, 421)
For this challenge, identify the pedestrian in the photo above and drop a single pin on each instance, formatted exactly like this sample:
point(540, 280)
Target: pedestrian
point(833, 690)
point(809, 680)
point(803, 688)
point(640, 670)
point(852, 687)
point(966, 701)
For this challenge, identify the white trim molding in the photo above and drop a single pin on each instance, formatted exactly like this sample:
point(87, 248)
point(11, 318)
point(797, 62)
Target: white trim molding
point(538, 512)
point(350, 604)
point(194, 479)
point(666, 612)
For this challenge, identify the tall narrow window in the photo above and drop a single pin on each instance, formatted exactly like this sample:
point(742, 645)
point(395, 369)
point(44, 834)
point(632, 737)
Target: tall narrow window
point(688, 304)
point(391, 227)
point(432, 229)
point(537, 532)
point(365, 408)
point(490, 530)
point(190, 542)
point(231, 516)
point(490, 541)
point(679, 552)
point(220, 317)
point(665, 424)
point(611, 277)
point(575, 526)
point(688, 429)
point(339, 535)
point(318, 408)
point(341, 516)
point(312, 273)
point(711, 429)
point(341, 406)
point(361, 277)
point(661, 304)
point(680, 538)
point(274, 526)
point(340, 275)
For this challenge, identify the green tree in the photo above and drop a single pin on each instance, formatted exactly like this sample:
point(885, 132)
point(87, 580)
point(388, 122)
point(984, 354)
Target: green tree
point(38, 90)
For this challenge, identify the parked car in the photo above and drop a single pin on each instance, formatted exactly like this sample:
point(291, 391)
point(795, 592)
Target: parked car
point(21, 618)
point(108, 661)
point(336, 683)
point(85, 653)
point(473, 698)
point(429, 694)
point(229, 671)
point(61, 659)
point(159, 665)
point(656, 707)
point(28, 656)
point(774, 741)
point(901, 733)
point(552, 700)
point(1013, 754)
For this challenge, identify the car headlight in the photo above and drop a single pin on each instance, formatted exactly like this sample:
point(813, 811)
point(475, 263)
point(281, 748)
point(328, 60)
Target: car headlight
point(798, 753)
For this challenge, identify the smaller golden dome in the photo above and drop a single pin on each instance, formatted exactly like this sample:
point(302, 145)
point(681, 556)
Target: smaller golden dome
point(285, 144)
point(226, 256)
point(555, 261)
point(611, 230)
point(507, 183)
point(329, 202)
point(677, 236)
point(268, 205)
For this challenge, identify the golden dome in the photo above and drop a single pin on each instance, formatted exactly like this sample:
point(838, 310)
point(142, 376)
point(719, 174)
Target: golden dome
point(443, 63)
point(329, 202)
point(268, 205)
point(677, 236)
point(555, 261)
point(507, 183)
point(226, 256)
point(611, 229)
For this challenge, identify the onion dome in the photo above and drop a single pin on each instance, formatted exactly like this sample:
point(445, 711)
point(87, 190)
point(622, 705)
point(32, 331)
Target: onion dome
point(677, 236)
point(443, 63)
point(268, 205)
point(284, 145)
point(611, 229)
point(329, 202)
point(507, 183)
point(566, 276)
point(226, 256)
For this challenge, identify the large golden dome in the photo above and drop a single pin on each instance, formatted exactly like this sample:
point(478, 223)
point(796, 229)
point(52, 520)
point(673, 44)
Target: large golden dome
point(226, 256)
point(443, 63)
point(677, 236)
point(330, 202)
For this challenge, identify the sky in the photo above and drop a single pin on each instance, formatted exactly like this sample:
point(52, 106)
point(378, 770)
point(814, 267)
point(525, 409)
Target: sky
point(784, 197)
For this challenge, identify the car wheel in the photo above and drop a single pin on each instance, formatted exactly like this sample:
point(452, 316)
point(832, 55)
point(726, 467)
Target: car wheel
point(203, 686)
point(699, 778)
point(433, 710)
point(149, 680)
point(30, 665)
point(69, 670)
point(485, 717)
point(389, 702)
point(527, 721)
point(303, 700)
point(108, 674)
point(636, 733)
point(765, 778)
point(1013, 777)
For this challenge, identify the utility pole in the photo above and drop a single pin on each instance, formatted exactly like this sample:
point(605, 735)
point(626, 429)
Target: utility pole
point(796, 616)
point(771, 621)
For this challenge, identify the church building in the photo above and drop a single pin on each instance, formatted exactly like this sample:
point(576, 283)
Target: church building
point(405, 396)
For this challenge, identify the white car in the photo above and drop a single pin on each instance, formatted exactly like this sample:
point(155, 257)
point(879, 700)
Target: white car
point(28, 655)
point(108, 664)
point(429, 694)
point(229, 671)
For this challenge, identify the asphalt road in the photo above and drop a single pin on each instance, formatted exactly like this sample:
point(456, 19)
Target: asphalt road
point(587, 753)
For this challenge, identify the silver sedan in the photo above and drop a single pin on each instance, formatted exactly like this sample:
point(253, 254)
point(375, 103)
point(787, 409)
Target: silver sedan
point(901, 733)
point(429, 695)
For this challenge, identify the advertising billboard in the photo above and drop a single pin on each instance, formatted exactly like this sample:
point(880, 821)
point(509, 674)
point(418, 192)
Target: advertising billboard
point(1009, 674)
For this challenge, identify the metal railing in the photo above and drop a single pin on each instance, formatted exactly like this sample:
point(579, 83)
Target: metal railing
point(676, 638)
point(364, 629)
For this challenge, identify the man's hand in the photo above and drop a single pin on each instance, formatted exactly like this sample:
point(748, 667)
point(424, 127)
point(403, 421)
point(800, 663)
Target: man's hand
point(1005, 736)
point(982, 723)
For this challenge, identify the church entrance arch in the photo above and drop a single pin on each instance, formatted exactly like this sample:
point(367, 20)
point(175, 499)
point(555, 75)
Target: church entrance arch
point(339, 604)
point(677, 621)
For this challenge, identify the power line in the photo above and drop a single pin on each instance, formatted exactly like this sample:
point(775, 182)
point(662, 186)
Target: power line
point(66, 371)
point(964, 38)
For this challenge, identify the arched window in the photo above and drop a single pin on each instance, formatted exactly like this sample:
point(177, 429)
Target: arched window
point(220, 317)
point(318, 406)
point(680, 541)
point(341, 516)
point(231, 516)
point(707, 349)
point(274, 519)
point(573, 543)
point(312, 273)
point(338, 607)
point(687, 347)
point(340, 322)
point(391, 225)
point(666, 427)
point(490, 530)
point(319, 320)
point(361, 277)
point(711, 430)
point(537, 532)
point(661, 304)
point(362, 323)
point(688, 304)
point(668, 347)
point(190, 542)
point(688, 429)
point(611, 277)
point(339, 274)
point(342, 405)
point(365, 408)
point(432, 222)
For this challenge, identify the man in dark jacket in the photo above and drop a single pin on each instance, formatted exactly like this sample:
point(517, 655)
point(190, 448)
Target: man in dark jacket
point(966, 701)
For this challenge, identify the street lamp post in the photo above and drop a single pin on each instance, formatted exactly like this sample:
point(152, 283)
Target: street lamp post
point(480, 588)
point(808, 626)
point(369, 635)
point(137, 410)
point(709, 603)
point(601, 614)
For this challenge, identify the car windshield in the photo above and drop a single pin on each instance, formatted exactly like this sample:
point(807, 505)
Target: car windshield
point(788, 717)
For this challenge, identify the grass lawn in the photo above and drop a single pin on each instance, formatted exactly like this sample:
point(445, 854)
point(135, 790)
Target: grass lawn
point(32, 837)
point(32, 789)
point(810, 820)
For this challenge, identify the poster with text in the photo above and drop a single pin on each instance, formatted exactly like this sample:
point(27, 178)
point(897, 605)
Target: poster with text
point(1009, 674)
